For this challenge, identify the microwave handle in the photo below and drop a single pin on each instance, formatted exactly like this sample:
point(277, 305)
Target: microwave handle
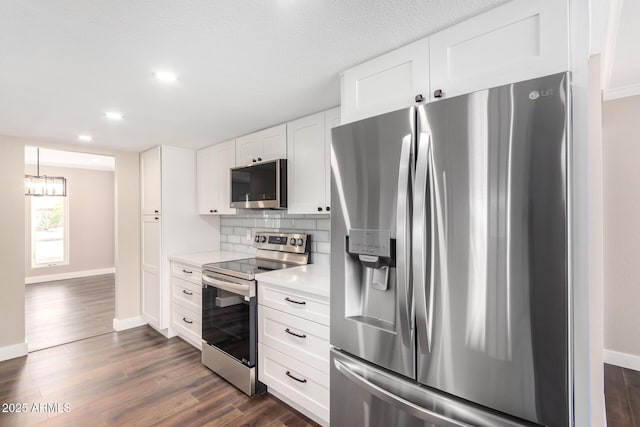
point(234, 288)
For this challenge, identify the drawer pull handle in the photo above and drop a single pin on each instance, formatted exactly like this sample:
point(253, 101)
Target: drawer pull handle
point(295, 378)
point(187, 271)
point(187, 292)
point(294, 334)
point(185, 320)
point(294, 301)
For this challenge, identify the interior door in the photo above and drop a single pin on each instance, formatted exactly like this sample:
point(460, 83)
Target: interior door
point(490, 249)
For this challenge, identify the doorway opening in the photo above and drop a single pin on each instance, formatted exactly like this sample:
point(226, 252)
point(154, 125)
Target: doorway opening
point(69, 256)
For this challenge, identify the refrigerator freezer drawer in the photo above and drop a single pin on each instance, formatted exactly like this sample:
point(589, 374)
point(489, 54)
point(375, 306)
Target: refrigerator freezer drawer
point(306, 341)
point(305, 386)
point(363, 394)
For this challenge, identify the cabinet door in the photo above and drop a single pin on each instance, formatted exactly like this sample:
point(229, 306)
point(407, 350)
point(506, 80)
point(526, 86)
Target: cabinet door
point(224, 160)
point(248, 149)
point(151, 292)
point(331, 120)
point(207, 176)
point(386, 83)
point(214, 179)
point(520, 40)
point(274, 143)
point(150, 181)
point(306, 162)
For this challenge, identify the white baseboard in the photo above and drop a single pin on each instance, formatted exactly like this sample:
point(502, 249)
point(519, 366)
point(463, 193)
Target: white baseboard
point(128, 323)
point(13, 351)
point(71, 275)
point(624, 360)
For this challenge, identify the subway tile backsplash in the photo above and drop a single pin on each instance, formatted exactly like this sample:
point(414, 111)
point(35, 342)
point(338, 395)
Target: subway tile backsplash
point(237, 231)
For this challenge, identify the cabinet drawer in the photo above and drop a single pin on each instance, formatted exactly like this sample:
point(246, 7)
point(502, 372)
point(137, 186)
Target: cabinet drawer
point(303, 385)
point(187, 272)
point(304, 340)
point(187, 293)
point(188, 318)
point(310, 308)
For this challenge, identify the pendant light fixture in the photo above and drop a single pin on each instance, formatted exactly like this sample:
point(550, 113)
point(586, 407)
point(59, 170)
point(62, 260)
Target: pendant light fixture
point(37, 185)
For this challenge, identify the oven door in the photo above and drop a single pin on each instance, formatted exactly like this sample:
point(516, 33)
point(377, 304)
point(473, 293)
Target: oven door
point(229, 321)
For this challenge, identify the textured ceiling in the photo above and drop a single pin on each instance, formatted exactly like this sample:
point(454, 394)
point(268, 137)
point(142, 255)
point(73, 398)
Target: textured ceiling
point(242, 65)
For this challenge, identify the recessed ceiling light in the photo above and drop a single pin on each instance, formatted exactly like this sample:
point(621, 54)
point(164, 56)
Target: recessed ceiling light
point(85, 138)
point(113, 115)
point(165, 76)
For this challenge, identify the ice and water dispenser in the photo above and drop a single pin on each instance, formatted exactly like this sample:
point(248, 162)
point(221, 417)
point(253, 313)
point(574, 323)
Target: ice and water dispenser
point(370, 270)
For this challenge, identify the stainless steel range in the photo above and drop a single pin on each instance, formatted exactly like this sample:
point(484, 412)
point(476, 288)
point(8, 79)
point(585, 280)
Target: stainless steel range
point(229, 306)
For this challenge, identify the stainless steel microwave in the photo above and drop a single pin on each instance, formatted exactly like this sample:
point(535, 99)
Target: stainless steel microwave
point(261, 185)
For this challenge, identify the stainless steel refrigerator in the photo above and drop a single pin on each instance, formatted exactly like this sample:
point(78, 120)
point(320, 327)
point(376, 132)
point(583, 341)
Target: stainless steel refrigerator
point(449, 262)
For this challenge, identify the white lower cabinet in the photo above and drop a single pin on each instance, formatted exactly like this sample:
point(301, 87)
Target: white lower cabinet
point(186, 302)
point(293, 349)
point(299, 385)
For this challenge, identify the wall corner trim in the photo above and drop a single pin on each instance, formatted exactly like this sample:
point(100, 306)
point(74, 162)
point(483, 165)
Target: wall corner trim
point(64, 276)
point(624, 360)
point(128, 323)
point(13, 351)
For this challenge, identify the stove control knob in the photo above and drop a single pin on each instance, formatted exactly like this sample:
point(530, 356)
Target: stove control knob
point(263, 239)
point(292, 242)
point(300, 242)
point(257, 239)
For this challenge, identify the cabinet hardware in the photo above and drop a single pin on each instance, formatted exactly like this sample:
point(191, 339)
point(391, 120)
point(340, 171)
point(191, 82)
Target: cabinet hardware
point(438, 93)
point(187, 292)
point(210, 210)
point(294, 334)
point(185, 320)
point(187, 271)
point(215, 210)
point(253, 160)
point(419, 97)
point(295, 378)
point(294, 301)
point(328, 208)
point(319, 209)
point(156, 211)
point(259, 159)
point(156, 218)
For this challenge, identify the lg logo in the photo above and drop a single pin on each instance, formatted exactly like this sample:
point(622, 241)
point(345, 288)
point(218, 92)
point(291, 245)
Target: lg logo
point(537, 94)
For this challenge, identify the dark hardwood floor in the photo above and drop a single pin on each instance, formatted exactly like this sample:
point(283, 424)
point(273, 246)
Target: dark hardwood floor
point(622, 395)
point(131, 378)
point(68, 310)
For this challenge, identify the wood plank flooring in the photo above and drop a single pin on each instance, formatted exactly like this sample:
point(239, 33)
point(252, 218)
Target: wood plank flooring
point(133, 378)
point(68, 310)
point(622, 395)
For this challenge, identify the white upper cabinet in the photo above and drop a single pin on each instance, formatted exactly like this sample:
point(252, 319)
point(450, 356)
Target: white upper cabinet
point(520, 40)
point(267, 144)
point(308, 162)
point(332, 119)
point(386, 83)
point(150, 173)
point(214, 178)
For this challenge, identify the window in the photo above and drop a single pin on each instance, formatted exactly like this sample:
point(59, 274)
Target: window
point(49, 231)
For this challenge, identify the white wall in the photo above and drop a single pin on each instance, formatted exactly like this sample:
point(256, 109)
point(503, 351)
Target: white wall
point(90, 195)
point(127, 234)
point(12, 332)
point(621, 132)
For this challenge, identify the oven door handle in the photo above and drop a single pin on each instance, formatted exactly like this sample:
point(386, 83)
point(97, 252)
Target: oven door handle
point(234, 288)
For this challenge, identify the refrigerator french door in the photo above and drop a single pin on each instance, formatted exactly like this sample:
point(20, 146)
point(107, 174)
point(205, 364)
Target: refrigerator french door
point(450, 261)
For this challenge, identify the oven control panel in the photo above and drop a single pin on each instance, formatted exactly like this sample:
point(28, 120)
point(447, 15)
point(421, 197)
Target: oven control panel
point(283, 242)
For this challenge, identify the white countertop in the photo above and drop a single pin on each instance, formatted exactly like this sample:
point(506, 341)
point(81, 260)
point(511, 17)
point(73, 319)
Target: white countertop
point(198, 259)
point(310, 278)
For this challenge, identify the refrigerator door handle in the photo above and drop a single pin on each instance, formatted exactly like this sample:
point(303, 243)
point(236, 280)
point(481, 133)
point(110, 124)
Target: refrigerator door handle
point(423, 241)
point(405, 291)
point(397, 401)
